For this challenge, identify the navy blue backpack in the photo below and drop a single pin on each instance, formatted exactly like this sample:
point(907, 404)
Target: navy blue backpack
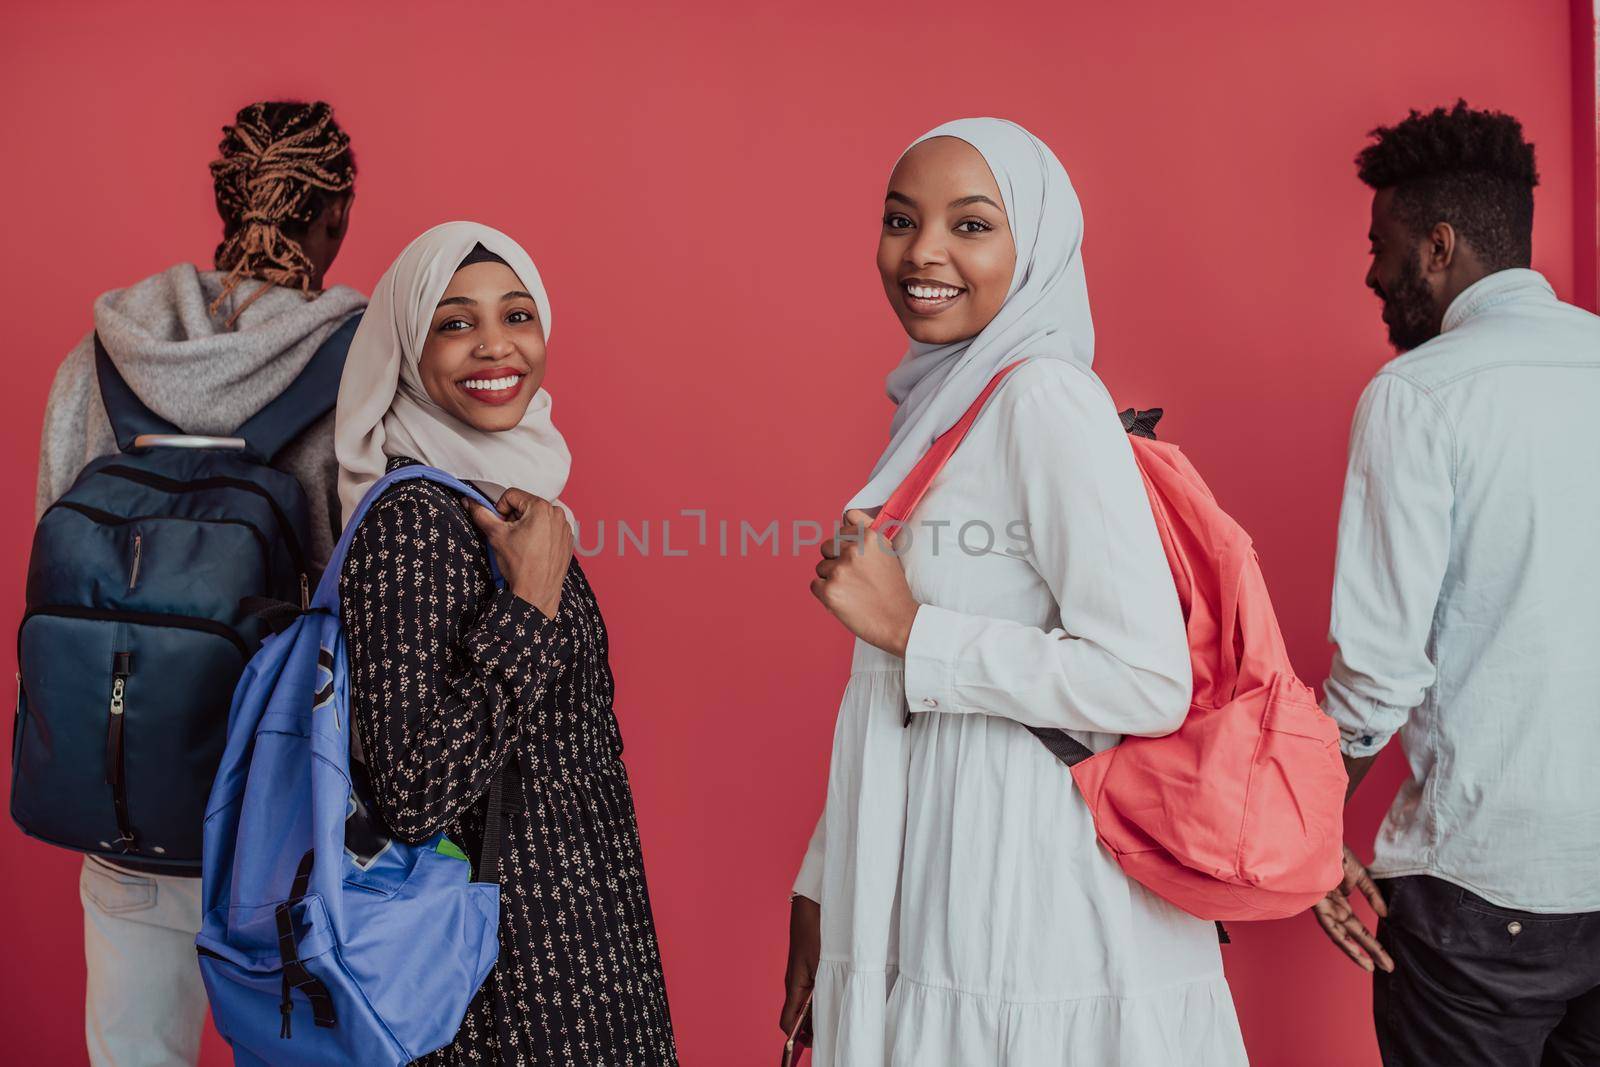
point(140, 618)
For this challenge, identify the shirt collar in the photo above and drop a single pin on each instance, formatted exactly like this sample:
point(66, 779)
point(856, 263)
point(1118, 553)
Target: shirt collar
point(1503, 286)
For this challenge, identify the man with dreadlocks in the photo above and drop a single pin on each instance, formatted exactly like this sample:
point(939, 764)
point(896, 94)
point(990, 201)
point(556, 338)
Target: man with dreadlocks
point(1466, 611)
point(205, 350)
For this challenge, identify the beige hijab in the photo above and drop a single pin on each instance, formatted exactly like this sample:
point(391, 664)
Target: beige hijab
point(385, 412)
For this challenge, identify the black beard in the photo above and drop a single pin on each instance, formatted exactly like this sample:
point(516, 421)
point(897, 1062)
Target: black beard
point(1409, 304)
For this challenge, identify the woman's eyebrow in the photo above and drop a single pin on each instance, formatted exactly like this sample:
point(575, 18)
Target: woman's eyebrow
point(963, 202)
point(467, 301)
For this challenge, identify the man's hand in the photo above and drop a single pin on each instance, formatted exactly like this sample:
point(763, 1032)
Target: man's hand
point(1340, 922)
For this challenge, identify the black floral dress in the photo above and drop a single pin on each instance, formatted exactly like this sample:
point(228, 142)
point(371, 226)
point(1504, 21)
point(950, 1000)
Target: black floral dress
point(451, 681)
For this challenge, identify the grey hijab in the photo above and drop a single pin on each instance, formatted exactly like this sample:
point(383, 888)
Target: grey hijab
point(1045, 315)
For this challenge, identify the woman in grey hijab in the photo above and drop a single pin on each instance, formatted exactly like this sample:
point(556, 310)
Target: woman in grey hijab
point(954, 906)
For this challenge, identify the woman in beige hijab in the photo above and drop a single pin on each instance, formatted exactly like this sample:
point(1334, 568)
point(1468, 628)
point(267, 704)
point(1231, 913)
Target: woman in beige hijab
point(458, 685)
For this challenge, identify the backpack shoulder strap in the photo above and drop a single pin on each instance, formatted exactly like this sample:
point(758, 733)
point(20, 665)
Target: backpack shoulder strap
point(487, 868)
point(909, 493)
point(327, 596)
point(487, 865)
point(129, 417)
point(308, 398)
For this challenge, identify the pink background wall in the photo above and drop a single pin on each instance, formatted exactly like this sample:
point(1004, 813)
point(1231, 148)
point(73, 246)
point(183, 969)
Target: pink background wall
point(701, 190)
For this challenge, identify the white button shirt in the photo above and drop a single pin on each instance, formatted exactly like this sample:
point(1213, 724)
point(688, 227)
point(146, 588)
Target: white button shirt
point(1466, 602)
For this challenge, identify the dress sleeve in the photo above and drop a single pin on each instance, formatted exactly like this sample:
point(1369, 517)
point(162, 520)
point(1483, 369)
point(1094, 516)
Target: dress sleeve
point(1118, 662)
point(1394, 549)
point(808, 883)
point(442, 667)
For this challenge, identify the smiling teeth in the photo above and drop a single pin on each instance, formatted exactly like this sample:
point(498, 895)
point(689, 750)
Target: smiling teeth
point(491, 385)
point(932, 292)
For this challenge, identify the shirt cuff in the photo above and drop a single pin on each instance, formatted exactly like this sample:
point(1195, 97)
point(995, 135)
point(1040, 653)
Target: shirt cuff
point(1364, 724)
point(517, 643)
point(931, 652)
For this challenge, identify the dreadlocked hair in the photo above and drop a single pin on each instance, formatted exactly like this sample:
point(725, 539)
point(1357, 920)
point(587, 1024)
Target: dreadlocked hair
point(1470, 168)
point(279, 165)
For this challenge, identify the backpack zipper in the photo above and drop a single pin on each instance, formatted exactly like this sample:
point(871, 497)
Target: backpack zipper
point(121, 668)
point(172, 485)
point(106, 518)
point(140, 618)
point(138, 553)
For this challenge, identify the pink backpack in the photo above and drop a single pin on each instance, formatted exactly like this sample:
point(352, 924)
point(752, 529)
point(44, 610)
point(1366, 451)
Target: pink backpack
point(1238, 814)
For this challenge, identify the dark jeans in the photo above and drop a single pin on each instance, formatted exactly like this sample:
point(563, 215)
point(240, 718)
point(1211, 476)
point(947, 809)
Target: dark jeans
point(1478, 985)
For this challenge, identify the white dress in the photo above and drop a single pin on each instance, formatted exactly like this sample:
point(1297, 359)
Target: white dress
point(969, 917)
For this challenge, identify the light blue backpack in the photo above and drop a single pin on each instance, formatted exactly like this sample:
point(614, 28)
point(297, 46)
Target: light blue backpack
point(325, 940)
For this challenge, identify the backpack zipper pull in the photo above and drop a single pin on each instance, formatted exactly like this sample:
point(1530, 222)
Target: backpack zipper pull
point(138, 553)
point(114, 734)
point(305, 593)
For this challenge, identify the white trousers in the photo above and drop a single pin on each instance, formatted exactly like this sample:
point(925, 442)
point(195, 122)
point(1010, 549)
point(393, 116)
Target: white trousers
point(146, 1004)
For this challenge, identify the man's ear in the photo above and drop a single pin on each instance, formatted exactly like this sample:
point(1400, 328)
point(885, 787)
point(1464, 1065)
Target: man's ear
point(1441, 251)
